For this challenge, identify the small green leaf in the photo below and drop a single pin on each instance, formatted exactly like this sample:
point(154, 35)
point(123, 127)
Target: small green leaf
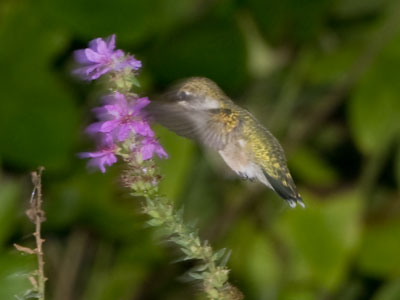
point(200, 268)
point(155, 222)
point(188, 253)
point(183, 258)
point(225, 259)
point(196, 276)
point(219, 254)
point(135, 81)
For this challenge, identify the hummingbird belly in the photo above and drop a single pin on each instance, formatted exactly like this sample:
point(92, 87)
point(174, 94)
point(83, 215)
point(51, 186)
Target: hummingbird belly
point(237, 158)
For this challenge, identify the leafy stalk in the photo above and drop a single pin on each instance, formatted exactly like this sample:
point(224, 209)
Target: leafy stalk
point(211, 269)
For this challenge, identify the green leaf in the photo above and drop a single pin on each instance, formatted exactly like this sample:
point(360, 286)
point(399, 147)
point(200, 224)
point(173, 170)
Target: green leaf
point(215, 49)
point(225, 259)
point(183, 258)
point(219, 254)
point(120, 274)
point(197, 276)
point(374, 107)
point(38, 117)
point(92, 198)
point(326, 67)
point(380, 248)
point(289, 19)
point(397, 165)
point(132, 21)
point(390, 291)
point(174, 169)
point(14, 272)
point(355, 8)
point(254, 260)
point(309, 165)
point(155, 222)
point(135, 81)
point(322, 237)
point(293, 293)
point(200, 268)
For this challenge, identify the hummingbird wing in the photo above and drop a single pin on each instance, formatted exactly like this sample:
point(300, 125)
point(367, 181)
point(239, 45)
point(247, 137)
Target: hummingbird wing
point(213, 127)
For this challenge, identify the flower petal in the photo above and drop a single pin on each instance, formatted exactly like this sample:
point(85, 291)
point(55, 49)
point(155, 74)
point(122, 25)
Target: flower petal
point(132, 62)
point(94, 128)
point(122, 132)
point(80, 56)
point(142, 128)
point(140, 103)
point(151, 146)
point(110, 41)
point(108, 126)
point(93, 56)
point(161, 152)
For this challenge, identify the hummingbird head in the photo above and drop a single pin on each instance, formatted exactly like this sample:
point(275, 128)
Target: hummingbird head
point(198, 93)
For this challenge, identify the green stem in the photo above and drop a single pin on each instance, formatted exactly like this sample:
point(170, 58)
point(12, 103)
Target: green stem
point(211, 269)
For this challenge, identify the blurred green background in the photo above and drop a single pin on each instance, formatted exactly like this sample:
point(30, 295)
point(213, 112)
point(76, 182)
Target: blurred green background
point(322, 75)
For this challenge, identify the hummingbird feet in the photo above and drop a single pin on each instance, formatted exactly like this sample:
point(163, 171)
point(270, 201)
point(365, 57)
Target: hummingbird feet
point(244, 176)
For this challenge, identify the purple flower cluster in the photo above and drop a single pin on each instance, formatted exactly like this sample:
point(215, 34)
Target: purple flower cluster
point(121, 116)
point(101, 58)
point(121, 120)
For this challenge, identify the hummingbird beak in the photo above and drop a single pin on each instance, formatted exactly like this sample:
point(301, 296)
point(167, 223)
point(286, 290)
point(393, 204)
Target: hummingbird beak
point(185, 104)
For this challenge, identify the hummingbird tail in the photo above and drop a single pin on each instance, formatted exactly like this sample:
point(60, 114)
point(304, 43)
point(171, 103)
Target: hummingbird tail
point(287, 192)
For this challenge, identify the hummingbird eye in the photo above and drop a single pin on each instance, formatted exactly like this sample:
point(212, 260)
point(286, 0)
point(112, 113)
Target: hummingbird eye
point(184, 95)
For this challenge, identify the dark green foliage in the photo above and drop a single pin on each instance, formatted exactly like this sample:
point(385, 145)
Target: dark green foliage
point(324, 75)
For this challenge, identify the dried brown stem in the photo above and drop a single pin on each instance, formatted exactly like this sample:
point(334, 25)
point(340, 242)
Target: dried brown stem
point(37, 217)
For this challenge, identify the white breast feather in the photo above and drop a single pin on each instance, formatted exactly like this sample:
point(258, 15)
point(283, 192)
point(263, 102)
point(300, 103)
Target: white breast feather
point(236, 158)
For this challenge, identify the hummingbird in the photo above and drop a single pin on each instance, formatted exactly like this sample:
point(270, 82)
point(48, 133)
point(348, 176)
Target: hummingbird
point(198, 109)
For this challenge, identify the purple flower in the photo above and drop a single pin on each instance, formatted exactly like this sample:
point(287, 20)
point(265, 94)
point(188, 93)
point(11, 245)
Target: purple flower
point(120, 117)
point(101, 58)
point(129, 62)
point(104, 156)
point(151, 146)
